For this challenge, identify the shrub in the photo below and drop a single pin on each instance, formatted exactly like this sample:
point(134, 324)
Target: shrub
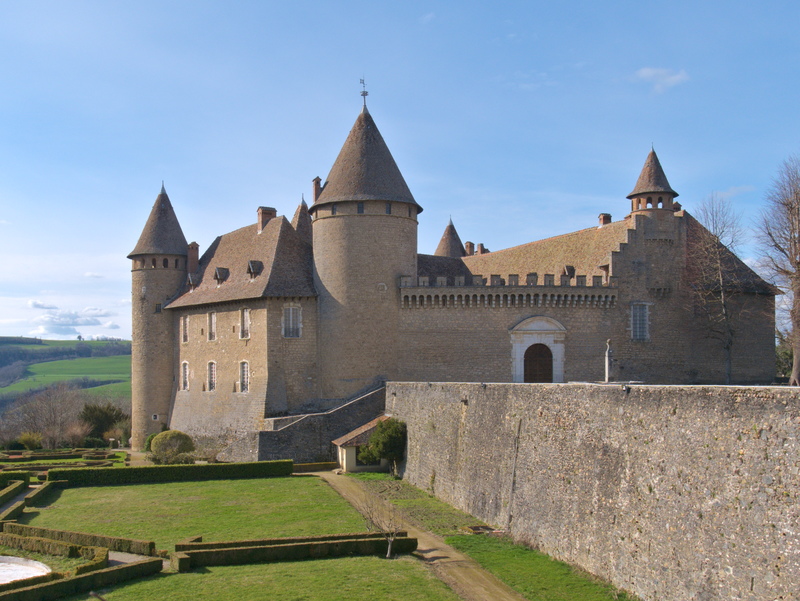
point(31, 440)
point(15, 445)
point(171, 447)
point(388, 441)
point(149, 440)
point(93, 476)
point(101, 417)
point(90, 442)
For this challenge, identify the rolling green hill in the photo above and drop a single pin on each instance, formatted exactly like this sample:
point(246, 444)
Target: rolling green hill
point(44, 374)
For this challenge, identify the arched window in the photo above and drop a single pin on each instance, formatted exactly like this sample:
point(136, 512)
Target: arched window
point(165, 263)
point(212, 376)
point(185, 375)
point(244, 376)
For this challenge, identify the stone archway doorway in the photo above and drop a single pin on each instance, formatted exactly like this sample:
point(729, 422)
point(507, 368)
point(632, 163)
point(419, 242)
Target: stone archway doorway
point(538, 364)
point(538, 331)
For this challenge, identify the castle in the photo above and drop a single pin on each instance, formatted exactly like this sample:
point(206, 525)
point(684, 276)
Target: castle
point(282, 318)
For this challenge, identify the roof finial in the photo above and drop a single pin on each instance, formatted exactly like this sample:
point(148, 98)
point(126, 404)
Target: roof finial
point(364, 92)
point(163, 190)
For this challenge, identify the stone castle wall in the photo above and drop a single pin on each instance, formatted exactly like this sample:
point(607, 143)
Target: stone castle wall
point(671, 492)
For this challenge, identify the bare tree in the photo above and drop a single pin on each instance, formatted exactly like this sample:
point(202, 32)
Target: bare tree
point(381, 517)
point(48, 413)
point(779, 237)
point(715, 276)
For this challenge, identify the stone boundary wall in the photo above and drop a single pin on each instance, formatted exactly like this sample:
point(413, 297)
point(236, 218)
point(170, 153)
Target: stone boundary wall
point(672, 492)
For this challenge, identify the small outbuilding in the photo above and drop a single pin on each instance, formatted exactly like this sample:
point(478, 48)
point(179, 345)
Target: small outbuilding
point(350, 444)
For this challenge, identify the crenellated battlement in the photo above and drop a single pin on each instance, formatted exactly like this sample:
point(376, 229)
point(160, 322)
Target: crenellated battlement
point(510, 281)
point(464, 297)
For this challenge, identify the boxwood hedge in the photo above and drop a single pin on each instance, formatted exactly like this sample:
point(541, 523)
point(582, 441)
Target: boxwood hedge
point(12, 490)
point(170, 473)
point(6, 477)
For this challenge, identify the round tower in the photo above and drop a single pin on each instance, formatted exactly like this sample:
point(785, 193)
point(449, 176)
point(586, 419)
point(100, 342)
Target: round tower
point(158, 274)
point(652, 190)
point(365, 238)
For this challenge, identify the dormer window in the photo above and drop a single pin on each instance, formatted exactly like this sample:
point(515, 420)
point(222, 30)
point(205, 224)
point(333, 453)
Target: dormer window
point(221, 274)
point(254, 268)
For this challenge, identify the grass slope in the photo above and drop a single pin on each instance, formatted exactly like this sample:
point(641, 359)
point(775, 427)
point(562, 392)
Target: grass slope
point(96, 368)
point(218, 510)
point(342, 579)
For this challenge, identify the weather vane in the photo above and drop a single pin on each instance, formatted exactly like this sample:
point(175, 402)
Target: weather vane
point(364, 92)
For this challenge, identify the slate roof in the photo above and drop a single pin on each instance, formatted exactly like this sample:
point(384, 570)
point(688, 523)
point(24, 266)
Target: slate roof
point(364, 169)
point(433, 266)
point(162, 234)
point(450, 245)
point(301, 222)
point(585, 250)
point(652, 179)
point(285, 266)
point(359, 436)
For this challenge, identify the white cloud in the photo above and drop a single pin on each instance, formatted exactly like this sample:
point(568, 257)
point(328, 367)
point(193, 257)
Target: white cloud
point(110, 325)
point(96, 312)
point(4, 222)
point(66, 318)
point(35, 304)
point(89, 274)
point(51, 331)
point(662, 79)
point(425, 19)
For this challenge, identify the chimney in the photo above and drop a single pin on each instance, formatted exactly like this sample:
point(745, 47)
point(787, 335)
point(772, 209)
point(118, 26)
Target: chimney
point(317, 187)
point(264, 215)
point(604, 219)
point(192, 257)
point(470, 248)
point(481, 250)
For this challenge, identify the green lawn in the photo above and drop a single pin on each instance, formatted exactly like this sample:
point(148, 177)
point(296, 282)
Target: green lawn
point(218, 510)
point(343, 579)
point(96, 368)
point(54, 562)
point(536, 576)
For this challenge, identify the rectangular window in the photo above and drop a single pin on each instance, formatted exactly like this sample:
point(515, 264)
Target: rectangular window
point(244, 376)
point(291, 322)
point(244, 330)
point(388, 208)
point(185, 328)
point(640, 316)
point(158, 307)
point(184, 376)
point(212, 376)
point(212, 326)
point(333, 209)
point(360, 208)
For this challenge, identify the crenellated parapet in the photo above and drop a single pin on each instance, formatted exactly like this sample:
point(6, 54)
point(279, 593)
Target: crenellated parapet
point(510, 281)
point(475, 296)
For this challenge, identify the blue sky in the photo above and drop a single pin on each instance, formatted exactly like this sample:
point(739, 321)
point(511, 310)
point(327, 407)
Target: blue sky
point(521, 120)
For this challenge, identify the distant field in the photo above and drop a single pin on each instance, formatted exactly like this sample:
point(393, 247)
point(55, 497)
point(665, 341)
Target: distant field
point(95, 368)
point(33, 344)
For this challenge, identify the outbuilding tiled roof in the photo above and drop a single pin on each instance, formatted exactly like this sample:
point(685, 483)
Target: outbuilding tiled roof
point(359, 436)
point(282, 260)
point(162, 234)
point(652, 179)
point(450, 245)
point(585, 250)
point(433, 267)
point(364, 169)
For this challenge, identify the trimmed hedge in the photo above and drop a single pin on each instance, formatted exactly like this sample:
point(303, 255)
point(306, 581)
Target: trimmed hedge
point(39, 545)
point(293, 552)
point(33, 580)
point(6, 477)
point(12, 490)
point(323, 466)
point(171, 473)
point(85, 582)
point(98, 560)
point(190, 545)
point(123, 545)
point(42, 457)
point(12, 512)
point(37, 493)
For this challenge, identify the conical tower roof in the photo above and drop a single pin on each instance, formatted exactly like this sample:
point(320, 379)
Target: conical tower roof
point(364, 169)
point(450, 245)
point(162, 234)
point(652, 179)
point(301, 222)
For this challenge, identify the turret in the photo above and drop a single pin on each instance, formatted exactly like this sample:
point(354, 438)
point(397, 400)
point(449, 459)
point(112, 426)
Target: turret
point(158, 273)
point(652, 190)
point(450, 245)
point(364, 233)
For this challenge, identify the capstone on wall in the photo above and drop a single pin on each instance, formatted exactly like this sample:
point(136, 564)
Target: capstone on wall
point(671, 492)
